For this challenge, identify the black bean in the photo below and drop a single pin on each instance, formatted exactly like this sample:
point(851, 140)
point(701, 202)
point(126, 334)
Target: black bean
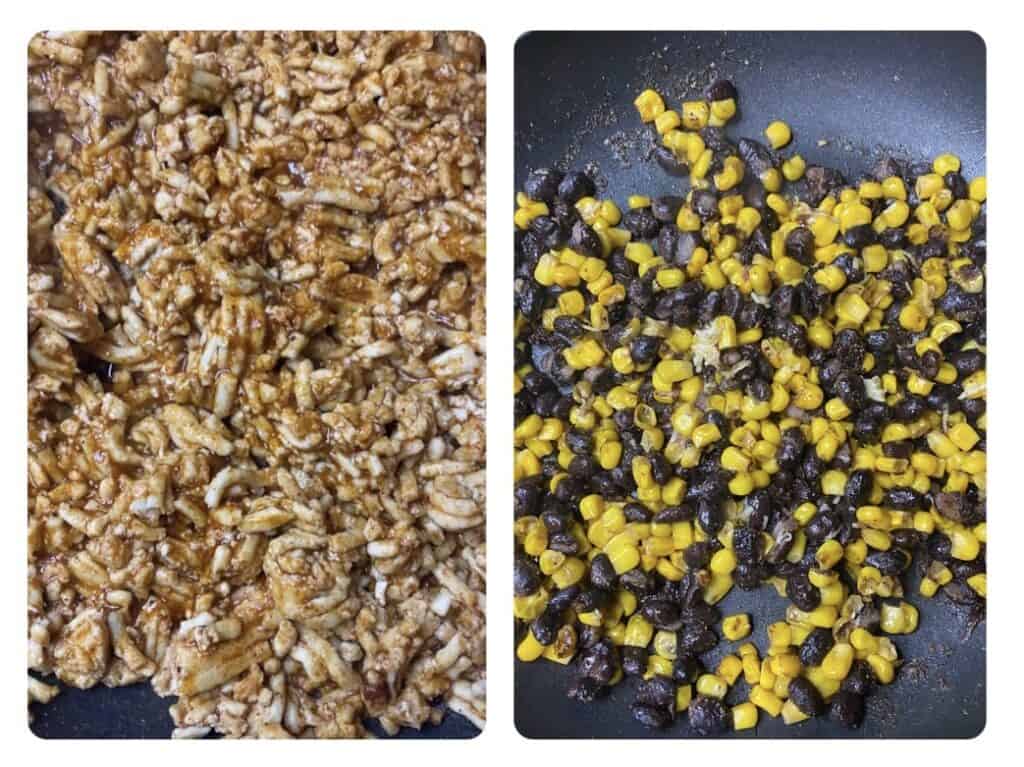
point(526, 576)
point(575, 186)
point(860, 680)
point(858, 487)
point(891, 562)
point(805, 696)
point(668, 161)
point(686, 669)
point(545, 627)
point(847, 709)
point(661, 613)
point(746, 543)
point(599, 661)
point(904, 498)
point(709, 716)
point(666, 208)
point(638, 582)
point(641, 223)
point(585, 689)
point(967, 362)
point(696, 638)
point(710, 516)
point(957, 184)
point(644, 349)
point(720, 90)
point(799, 245)
point(893, 239)
point(648, 716)
point(802, 592)
point(602, 572)
point(542, 184)
point(700, 613)
point(634, 660)
point(858, 237)
point(584, 240)
point(657, 692)
point(698, 555)
point(704, 203)
point(849, 387)
point(816, 646)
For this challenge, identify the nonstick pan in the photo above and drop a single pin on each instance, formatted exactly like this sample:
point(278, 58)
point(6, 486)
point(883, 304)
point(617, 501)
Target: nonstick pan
point(137, 712)
point(850, 98)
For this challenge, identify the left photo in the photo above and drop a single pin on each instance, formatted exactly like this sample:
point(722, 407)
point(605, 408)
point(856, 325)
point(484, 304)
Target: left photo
point(256, 403)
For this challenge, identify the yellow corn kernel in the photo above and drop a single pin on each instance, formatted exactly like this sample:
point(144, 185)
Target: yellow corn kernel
point(778, 134)
point(649, 104)
point(791, 713)
point(766, 700)
point(695, 114)
point(712, 685)
point(723, 562)
point(744, 716)
point(838, 661)
point(736, 627)
point(793, 168)
point(978, 189)
point(529, 649)
point(946, 163)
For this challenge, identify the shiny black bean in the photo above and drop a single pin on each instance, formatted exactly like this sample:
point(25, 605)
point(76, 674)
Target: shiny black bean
point(668, 161)
point(584, 240)
point(860, 680)
point(746, 544)
point(634, 512)
point(709, 716)
point(599, 661)
point(641, 223)
point(542, 184)
point(526, 576)
point(967, 362)
point(799, 245)
point(634, 660)
point(891, 562)
point(847, 708)
point(674, 514)
point(686, 669)
point(649, 716)
point(575, 186)
point(602, 572)
point(661, 613)
point(720, 90)
point(904, 498)
point(805, 696)
point(710, 516)
point(666, 208)
point(545, 626)
point(562, 599)
point(816, 646)
point(858, 237)
point(802, 592)
point(695, 638)
point(638, 582)
point(657, 692)
point(704, 203)
point(698, 555)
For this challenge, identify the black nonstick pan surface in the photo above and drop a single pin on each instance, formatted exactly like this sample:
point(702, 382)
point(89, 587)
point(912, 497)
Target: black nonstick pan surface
point(850, 98)
point(138, 712)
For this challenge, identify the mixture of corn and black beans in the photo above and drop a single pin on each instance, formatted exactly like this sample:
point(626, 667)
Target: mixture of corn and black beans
point(776, 377)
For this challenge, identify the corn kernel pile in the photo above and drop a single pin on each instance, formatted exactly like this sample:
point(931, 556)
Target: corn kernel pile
point(777, 377)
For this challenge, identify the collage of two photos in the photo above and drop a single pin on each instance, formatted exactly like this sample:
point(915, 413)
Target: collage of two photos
point(749, 402)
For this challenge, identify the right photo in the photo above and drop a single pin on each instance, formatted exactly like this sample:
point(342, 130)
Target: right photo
point(750, 385)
